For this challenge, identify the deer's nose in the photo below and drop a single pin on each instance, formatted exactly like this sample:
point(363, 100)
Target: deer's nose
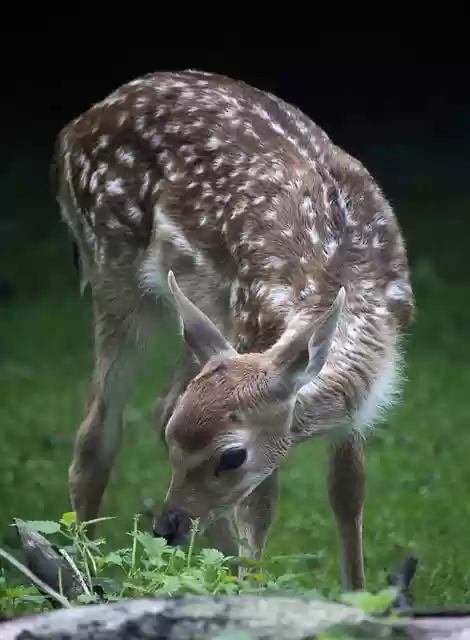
point(174, 525)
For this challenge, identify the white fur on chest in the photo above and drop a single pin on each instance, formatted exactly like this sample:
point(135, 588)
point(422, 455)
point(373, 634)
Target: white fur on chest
point(383, 393)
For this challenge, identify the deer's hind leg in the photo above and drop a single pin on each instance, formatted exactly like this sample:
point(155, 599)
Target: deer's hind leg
point(346, 488)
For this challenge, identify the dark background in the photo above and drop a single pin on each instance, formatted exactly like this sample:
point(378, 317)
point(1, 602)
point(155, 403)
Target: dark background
point(406, 116)
point(403, 114)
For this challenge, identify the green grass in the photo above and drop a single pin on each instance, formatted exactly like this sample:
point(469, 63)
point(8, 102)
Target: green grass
point(417, 462)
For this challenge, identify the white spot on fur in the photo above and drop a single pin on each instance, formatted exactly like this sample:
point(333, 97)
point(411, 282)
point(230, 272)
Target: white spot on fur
point(213, 143)
point(115, 187)
point(280, 297)
point(398, 290)
point(126, 157)
point(274, 262)
point(170, 232)
point(133, 212)
point(313, 235)
point(93, 182)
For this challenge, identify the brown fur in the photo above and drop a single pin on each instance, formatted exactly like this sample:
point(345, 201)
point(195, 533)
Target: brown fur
point(236, 387)
point(265, 223)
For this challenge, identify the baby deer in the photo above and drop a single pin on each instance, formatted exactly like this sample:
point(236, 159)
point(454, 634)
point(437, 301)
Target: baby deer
point(288, 273)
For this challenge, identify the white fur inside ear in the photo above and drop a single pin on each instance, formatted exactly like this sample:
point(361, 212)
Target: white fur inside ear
point(180, 323)
point(318, 355)
point(172, 282)
point(319, 350)
point(303, 349)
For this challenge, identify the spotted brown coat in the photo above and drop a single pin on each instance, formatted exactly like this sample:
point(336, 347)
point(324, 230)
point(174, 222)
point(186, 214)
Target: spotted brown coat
point(262, 219)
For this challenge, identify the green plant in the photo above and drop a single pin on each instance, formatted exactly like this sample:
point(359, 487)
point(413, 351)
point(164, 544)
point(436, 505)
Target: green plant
point(148, 566)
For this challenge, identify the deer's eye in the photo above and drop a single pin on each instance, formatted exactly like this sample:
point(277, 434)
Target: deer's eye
point(231, 459)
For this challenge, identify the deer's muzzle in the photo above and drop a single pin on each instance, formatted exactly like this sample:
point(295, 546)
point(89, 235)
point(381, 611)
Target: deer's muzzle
point(172, 524)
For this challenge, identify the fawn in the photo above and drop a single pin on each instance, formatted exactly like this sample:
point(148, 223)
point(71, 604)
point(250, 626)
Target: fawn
point(287, 273)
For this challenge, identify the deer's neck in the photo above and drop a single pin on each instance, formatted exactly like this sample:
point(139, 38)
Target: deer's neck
point(289, 257)
point(360, 375)
point(263, 309)
point(360, 380)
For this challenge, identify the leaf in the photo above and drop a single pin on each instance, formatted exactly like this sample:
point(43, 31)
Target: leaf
point(249, 563)
point(45, 527)
point(113, 598)
point(286, 578)
point(94, 544)
point(109, 585)
point(227, 588)
point(154, 563)
point(369, 602)
point(170, 585)
point(28, 597)
point(259, 577)
point(230, 578)
point(211, 557)
point(14, 592)
point(154, 547)
point(126, 554)
point(193, 584)
point(135, 587)
point(68, 518)
point(87, 598)
point(113, 558)
point(149, 575)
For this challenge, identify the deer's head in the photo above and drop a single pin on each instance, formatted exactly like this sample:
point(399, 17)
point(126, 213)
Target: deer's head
point(231, 427)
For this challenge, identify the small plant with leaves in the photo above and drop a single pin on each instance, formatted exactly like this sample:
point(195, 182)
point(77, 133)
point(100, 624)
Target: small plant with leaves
point(89, 571)
point(65, 568)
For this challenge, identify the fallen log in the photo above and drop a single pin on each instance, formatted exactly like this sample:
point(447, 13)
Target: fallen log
point(202, 617)
point(46, 562)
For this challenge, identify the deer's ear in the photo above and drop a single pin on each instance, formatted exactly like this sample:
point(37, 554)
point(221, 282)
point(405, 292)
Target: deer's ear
point(199, 332)
point(299, 355)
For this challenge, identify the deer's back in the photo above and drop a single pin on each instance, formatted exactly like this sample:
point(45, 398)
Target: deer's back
point(229, 178)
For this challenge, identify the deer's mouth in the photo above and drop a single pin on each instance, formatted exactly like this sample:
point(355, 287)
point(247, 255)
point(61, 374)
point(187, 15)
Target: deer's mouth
point(174, 525)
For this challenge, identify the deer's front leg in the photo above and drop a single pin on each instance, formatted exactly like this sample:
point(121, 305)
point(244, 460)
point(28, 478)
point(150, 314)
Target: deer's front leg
point(254, 517)
point(184, 372)
point(117, 355)
point(244, 532)
point(346, 485)
point(222, 535)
